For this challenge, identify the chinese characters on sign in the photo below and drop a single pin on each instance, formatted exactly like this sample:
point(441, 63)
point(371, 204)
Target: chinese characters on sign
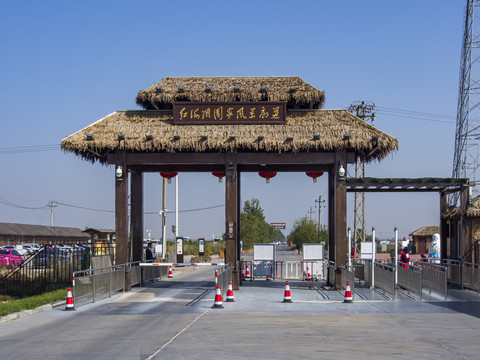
point(190, 113)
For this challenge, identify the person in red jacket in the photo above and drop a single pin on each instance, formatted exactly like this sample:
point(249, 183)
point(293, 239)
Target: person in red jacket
point(404, 257)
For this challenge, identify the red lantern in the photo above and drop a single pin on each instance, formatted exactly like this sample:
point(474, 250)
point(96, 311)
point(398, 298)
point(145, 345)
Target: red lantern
point(219, 174)
point(267, 175)
point(314, 175)
point(169, 175)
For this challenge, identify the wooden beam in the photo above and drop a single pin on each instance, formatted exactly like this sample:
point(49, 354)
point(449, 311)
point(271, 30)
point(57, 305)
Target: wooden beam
point(243, 159)
point(136, 192)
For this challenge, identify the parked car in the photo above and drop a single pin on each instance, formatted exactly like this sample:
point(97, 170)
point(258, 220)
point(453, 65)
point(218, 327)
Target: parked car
point(33, 247)
point(10, 257)
point(49, 255)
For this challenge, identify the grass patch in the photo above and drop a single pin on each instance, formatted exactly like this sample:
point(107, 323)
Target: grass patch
point(9, 306)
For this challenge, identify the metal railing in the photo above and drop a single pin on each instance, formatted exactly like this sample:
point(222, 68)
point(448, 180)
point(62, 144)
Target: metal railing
point(471, 276)
point(410, 278)
point(434, 277)
point(47, 269)
point(348, 276)
point(385, 278)
point(153, 272)
point(454, 271)
point(95, 283)
point(224, 275)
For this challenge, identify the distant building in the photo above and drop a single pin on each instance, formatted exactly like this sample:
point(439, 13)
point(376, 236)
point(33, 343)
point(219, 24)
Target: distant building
point(103, 235)
point(422, 238)
point(16, 234)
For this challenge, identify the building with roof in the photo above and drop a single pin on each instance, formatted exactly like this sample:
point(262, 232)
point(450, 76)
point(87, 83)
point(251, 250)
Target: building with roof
point(422, 238)
point(16, 234)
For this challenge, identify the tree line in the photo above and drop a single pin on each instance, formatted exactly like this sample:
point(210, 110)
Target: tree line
point(255, 230)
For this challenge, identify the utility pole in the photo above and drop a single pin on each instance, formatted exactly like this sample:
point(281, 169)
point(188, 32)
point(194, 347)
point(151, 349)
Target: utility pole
point(310, 212)
point(466, 154)
point(53, 204)
point(364, 111)
point(320, 202)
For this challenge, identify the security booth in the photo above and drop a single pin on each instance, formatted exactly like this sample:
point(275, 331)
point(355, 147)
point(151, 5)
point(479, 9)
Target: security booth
point(229, 125)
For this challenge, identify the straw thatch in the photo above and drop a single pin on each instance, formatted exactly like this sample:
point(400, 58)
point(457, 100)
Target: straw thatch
point(427, 230)
point(296, 135)
point(297, 93)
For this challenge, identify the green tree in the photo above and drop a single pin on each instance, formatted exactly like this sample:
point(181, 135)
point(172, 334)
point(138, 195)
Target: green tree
point(253, 227)
point(306, 231)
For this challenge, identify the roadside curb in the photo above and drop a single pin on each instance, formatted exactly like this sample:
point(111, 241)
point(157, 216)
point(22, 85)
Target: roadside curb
point(24, 313)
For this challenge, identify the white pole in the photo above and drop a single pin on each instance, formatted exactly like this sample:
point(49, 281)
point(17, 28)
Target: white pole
point(374, 255)
point(176, 205)
point(164, 218)
point(349, 253)
point(396, 256)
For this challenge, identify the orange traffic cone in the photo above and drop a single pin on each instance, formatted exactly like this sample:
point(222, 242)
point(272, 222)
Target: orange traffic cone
point(243, 273)
point(170, 273)
point(218, 299)
point(248, 272)
point(287, 297)
point(230, 297)
point(69, 303)
point(309, 277)
point(348, 294)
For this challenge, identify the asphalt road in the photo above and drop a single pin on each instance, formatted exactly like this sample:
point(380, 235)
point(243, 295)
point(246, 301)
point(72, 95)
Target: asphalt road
point(173, 319)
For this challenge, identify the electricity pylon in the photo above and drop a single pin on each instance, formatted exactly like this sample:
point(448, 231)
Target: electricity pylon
point(467, 134)
point(364, 111)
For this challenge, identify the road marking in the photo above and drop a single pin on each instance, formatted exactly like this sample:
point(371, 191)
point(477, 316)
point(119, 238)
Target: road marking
point(178, 334)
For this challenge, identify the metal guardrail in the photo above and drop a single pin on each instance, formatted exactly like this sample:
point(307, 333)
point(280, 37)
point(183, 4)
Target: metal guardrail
point(348, 276)
point(385, 278)
point(95, 283)
point(331, 272)
point(454, 271)
point(224, 275)
point(471, 276)
point(434, 277)
point(410, 277)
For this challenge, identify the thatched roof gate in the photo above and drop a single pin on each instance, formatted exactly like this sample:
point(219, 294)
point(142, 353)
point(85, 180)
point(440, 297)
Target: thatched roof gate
point(306, 139)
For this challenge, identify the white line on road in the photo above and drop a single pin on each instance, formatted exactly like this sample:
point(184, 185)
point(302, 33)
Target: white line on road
point(178, 334)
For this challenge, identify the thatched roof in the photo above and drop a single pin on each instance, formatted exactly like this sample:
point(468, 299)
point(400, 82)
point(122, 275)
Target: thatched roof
point(290, 89)
point(427, 230)
point(473, 210)
point(296, 135)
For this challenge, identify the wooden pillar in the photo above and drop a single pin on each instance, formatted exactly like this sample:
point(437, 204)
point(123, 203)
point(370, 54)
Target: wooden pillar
point(136, 191)
point(443, 226)
point(337, 218)
point(121, 213)
point(232, 216)
point(464, 241)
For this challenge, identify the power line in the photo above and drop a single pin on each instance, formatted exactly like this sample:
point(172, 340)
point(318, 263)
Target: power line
point(27, 149)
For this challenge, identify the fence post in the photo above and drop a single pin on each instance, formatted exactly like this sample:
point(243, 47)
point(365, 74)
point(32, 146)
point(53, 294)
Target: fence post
point(396, 256)
point(349, 251)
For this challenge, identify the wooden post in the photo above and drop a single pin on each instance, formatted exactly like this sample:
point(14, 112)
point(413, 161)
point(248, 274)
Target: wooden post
point(443, 226)
point(465, 239)
point(337, 218)
point(136, 191)
point(121, 214)
point(232, 216)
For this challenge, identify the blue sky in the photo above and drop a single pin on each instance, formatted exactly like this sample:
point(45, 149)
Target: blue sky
point(66, 65)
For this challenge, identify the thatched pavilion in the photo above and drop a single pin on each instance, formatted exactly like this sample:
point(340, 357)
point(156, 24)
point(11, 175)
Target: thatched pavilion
point(232, 125)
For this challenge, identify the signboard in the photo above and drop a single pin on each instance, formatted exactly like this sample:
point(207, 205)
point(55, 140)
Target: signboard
point(250, 113)
point(313, 252)
point(179, 249)
point(366, 250)
point(263, 252)
point(279, 226)
point(201, 247)
point(158, 248)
